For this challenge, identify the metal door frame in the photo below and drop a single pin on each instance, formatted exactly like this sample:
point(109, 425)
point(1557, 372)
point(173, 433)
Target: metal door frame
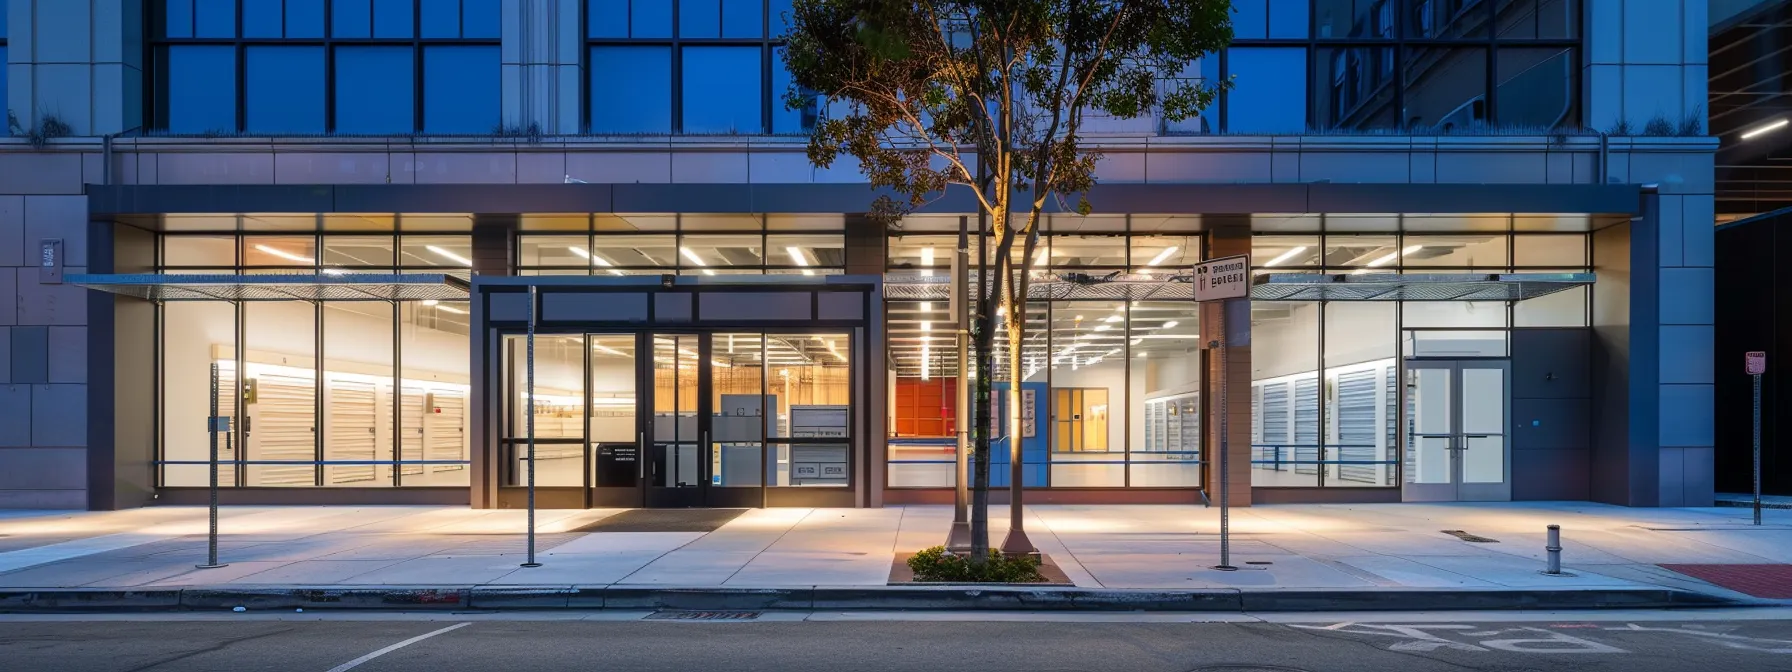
point(1456, 490)
point(657, 497)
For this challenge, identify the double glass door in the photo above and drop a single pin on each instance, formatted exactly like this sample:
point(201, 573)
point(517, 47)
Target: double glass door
point(677, 419)
point(1456, 443)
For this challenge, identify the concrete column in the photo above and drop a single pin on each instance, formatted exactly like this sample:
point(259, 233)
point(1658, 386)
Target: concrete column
point(494, 242)
point(80, 61)
point(1228, 235)
point(543, 66)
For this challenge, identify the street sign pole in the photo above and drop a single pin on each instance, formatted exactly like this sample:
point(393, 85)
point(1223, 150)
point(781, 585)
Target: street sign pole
point(530, 373)
point(1222, 281)
point(1756, 366)
point(213, 425)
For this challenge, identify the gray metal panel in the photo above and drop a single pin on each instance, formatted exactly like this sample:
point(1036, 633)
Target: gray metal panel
point(840, 306)
point(507, 306)
point(1550, 475)
point(1414, 286)
point(1551, 424)
point(1551, 363)
point(851, 198)
point(30, 355)
point(755, 306)
point(593, 307)
point(672, 307)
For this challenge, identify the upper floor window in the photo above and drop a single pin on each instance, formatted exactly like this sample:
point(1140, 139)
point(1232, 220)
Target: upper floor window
point(689, 66)
point(376, 67)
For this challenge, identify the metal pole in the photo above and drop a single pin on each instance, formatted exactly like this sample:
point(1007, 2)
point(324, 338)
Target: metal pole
point(530, 383)
point(1553, 546)
point(211, 554)
point(1757, 378)
point(1219, 348)
point(958, 540)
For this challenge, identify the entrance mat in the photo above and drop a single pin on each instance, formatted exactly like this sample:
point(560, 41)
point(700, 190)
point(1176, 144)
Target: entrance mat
point(664, 520)
point(1766, 581)
point(901, 575)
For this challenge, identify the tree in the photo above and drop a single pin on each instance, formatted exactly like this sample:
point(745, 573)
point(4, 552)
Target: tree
point(992, 96)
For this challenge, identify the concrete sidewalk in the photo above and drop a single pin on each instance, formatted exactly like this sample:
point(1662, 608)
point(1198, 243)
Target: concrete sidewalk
point(1290, 550)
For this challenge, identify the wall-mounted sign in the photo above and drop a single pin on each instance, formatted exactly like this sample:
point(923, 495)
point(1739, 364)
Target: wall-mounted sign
point(1223, 278)
point(49, 269)
point(1027, 424)
point(1756, 363)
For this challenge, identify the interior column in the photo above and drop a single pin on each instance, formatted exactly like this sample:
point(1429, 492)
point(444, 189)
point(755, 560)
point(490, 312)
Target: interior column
point(1228, 235)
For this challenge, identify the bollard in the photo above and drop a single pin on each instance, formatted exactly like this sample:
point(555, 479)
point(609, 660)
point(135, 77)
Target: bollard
point(1554, 547)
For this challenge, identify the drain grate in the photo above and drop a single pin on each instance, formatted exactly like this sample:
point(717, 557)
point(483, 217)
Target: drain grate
point(703, 616)
point(1471, 538)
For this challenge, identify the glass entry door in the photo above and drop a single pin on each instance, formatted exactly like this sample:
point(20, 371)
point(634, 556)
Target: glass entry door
point(1456, 444)
point(705, 440)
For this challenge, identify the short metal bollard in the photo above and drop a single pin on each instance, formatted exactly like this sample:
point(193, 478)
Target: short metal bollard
point(1554, 547)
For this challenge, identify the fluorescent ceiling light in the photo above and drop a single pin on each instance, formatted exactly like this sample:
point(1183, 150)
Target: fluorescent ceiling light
point(796, 255)
point(1042, 258)
point(1395, 255)
point(1170, 325)
point(595, 260)
point(1161, 256)
point(926, 306)
point(1286, 256)
point(451, 309)
point(1769, 128)
point(1112, 318)
point(692, 256)
point(430, 302)
point(608, 350)
point(335, 271)
point(283, 254)
point(926, 326)
point(1103, 327)
point(449, 255)
point(927, 260)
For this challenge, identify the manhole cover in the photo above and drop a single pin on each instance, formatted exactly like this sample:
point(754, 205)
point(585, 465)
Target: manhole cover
point(703, 616)
point(1472, 538)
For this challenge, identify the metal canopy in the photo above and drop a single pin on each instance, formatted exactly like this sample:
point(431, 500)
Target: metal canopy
point(1272, 287)
point(345, 287)
point(1414, 286)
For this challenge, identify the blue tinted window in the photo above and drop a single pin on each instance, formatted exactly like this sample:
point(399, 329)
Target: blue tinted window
point(479, 18)
point(392, 18)
point(1268, 90)
point(441, 18)
point(651, 18)
point(214, 18)
point(743, 18)
point(285, 89)
point(1205, 71)
point(201, 89)
point(304, 18)
point(1288, 19)
point(460, 89)
point(351, 18)
point(1250, 19)
point(631, 90)
point(179, 21)
point(784, 119)
point(699, 18)
point(263, 18)
point(722, 90)
point(780, 17)
point(373, 90)
point(607, 18)
point(3, 76)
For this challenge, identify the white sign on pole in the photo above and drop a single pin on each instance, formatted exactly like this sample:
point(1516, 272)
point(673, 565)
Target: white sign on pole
point(1223, 278)
point(1757, 363)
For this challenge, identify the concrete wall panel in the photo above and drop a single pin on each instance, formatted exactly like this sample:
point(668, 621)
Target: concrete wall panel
point(50, 305)
point(215, 168)
point(1539, 475)
point(1672, 472)
point(713, 168)
point(1685, 416)
point(43, 468)
point(1651, 35)
point(620, 167)
point(1698, 224)
point(1211, 167)
point(1550, 424)
point(12, 231)
point(331, 168)
point(1117, 167)
point(67, 354)
point(1686, 354)
point(6, 355)
point(541, 167)
point(1671, 233)
point(15, 416)
point(1494, 168)
point(23, 173)
point(465, 168)
point(1687, 296)
point(58, 500)
point(62, 217)
point(59, 415)
point(30, 354)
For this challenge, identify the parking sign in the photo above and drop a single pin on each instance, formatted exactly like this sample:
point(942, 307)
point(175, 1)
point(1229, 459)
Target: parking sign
point(1757, 363)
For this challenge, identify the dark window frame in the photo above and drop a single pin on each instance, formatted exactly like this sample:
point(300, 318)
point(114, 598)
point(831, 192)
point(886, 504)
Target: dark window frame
point(768, 43)
point(157, 43)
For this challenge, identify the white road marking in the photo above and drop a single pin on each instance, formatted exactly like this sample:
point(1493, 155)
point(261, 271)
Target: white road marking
point(345, 667)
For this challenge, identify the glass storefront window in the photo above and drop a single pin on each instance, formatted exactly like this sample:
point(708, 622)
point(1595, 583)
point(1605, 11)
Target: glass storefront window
point(359, 252)
point(565, 252)
point(1282, 252)
point(261, 251)
point(1285, 394)
point(811, 378)
point(1163, 397)
point(435, 251)
point(1164, 256)
point(1364, 251)
point(1458, 251)
point(1085, 395)
point(195, 336)
point(210, 251)
point(1361, 395)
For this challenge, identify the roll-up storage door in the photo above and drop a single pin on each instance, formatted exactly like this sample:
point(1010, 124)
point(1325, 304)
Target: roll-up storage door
point(412, 426)
point(1306, 424)
point(444, 435)
point(353, 433)
point(281, 429)
point(1356, 409)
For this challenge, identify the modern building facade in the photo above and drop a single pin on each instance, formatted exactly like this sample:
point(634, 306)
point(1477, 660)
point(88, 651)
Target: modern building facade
point(416, 250)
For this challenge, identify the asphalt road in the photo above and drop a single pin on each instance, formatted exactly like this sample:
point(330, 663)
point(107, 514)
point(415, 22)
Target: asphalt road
point(477, 643)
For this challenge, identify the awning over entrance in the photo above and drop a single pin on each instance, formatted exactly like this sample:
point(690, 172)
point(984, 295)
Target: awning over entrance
point(346, 287)
point(1276, 287)
point(1414, 286)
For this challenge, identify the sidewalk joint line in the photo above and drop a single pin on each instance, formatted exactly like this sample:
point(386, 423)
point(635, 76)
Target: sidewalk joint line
point(781, 535)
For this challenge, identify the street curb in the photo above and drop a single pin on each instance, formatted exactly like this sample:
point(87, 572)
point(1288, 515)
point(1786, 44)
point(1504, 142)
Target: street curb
point(837, 598)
